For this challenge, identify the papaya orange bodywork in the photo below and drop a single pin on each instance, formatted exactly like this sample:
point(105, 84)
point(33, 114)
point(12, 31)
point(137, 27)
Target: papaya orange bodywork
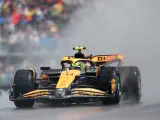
point(36, 93)
point(66, 78)
point(98, 58)
point(88, 91)
point(107, 58)
point(113, 85)
point(44, 76)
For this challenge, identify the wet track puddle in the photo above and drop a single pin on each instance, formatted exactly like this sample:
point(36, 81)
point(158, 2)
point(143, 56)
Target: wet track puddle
point(80, 114)
point(75, 112)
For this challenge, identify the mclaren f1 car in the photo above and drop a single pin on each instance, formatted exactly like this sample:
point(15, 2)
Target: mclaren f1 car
point(81, 79)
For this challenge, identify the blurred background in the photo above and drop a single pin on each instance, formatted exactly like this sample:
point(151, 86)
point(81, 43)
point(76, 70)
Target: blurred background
point(29, 31)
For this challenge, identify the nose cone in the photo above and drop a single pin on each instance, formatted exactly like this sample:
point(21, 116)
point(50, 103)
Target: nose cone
point(60, 92)
point(66, 78)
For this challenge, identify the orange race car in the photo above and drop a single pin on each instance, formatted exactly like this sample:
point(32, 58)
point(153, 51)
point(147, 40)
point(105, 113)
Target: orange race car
point(81, 79)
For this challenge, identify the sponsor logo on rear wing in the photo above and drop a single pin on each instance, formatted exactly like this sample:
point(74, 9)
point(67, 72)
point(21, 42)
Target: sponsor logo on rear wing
point(107, 58)
point(99, 58)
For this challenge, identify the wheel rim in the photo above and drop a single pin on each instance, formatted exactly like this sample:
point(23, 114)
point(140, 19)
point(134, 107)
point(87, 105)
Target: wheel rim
point(139, 87)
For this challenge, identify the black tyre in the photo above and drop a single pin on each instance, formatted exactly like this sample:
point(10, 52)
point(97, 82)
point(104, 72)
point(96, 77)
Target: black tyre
point(105, 77)
point(131, 82)
point(24, 103)
point(23, 83)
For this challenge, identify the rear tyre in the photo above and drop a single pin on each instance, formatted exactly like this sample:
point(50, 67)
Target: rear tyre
point(131, 82)
point(23, 83)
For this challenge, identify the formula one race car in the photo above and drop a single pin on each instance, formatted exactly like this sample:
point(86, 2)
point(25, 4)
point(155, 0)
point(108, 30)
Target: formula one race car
point(81, 79)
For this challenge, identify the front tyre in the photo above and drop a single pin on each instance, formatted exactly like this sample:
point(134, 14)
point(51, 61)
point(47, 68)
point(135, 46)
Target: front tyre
point(117, 95)
point(23, 83)
point(106, 76)
point(24, 103)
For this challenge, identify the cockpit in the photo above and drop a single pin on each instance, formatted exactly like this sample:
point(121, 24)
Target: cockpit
point(80, 64)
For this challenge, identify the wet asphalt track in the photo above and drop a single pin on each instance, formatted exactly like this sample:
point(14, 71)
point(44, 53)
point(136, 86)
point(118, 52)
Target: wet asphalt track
point(131, 27)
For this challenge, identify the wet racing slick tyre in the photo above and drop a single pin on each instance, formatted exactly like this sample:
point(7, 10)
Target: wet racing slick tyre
point(23, 83)
point(131, 83)
point(106, 74)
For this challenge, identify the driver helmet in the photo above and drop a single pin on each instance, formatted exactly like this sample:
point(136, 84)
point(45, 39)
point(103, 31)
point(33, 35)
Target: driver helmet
point(81, 64)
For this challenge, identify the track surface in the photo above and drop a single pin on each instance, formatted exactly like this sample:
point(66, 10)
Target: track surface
point(131, 27)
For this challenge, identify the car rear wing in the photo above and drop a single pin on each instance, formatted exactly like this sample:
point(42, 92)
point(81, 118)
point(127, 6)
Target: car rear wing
point(100, 58)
